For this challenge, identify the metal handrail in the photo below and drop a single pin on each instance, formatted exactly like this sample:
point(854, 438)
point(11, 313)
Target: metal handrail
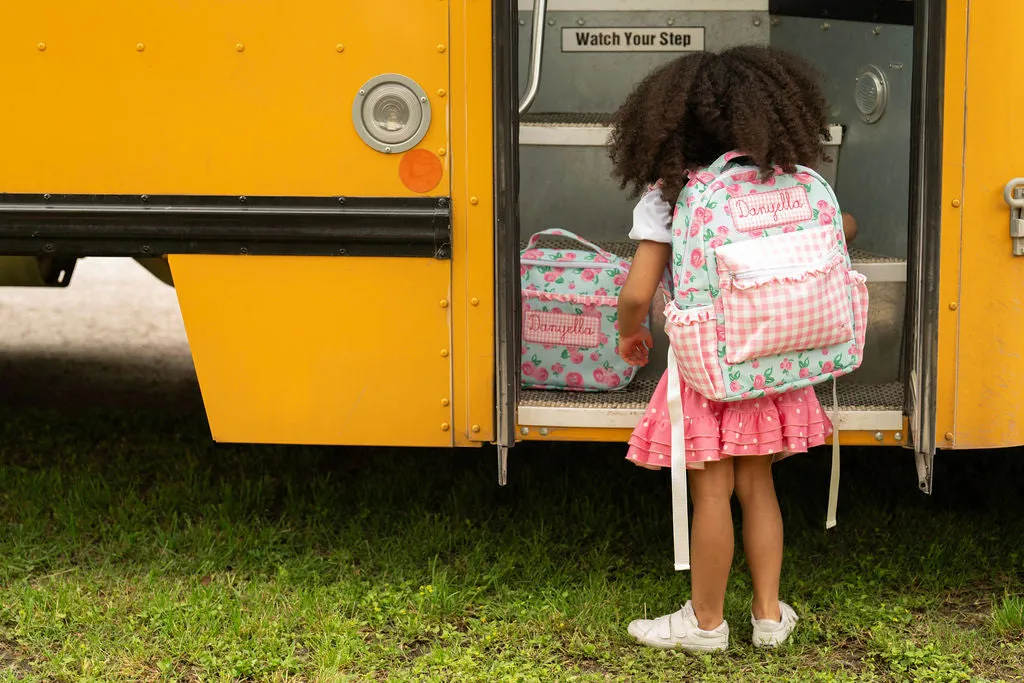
point(540, 10)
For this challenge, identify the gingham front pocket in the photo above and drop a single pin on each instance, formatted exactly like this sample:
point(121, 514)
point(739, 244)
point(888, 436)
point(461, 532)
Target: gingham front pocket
point(797, 298)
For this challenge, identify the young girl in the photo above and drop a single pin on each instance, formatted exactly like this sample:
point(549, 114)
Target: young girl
point(675, 123)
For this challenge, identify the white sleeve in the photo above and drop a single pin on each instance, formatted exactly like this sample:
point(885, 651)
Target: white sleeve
point(652, 218)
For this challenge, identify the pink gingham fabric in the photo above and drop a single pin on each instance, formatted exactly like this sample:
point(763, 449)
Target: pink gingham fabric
point(774, 315)
point(693, 335)
point(793, 295)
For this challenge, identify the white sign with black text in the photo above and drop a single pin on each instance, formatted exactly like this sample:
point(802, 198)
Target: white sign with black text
point(626, 39)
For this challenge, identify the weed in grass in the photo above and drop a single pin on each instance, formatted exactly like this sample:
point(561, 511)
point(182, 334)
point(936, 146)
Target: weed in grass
point(1008, 618)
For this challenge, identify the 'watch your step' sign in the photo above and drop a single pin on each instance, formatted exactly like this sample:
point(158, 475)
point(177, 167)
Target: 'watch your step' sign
point(631, 39)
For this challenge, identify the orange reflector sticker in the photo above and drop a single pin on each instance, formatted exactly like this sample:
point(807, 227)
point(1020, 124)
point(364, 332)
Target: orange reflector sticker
point(420, 170)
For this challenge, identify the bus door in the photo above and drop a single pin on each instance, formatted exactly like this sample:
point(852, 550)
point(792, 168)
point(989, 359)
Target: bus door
point(976, 204)
point(579, 60)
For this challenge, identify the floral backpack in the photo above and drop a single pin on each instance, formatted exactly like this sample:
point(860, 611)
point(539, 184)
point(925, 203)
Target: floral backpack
point(765, 296)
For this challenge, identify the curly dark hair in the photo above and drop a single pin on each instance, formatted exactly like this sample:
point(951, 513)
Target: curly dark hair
point(685, 114)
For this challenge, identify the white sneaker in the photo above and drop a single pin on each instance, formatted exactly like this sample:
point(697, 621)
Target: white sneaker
point(768, 633)
point(679, 630)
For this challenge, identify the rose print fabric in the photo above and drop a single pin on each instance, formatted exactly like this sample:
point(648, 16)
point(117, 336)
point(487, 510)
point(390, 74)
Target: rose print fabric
point(570, 316)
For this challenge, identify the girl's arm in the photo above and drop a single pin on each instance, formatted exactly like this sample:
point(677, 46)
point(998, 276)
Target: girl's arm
point(635, 341)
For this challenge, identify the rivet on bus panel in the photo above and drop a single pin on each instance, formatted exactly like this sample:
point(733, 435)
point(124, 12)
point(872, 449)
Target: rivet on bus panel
point(445, 403)
point(240, 47)
point(474, 301)
point(475, 428)
point(474, 201)
point(442, 92)
point(445, 427)
point(444, 303)
point(525, 431)
point(956, 203)
point(441, 48)
point(41, 47)
point(444, 353)
point(140, 47)
point(879, 436)
point(953, 306)
point(543, 431)
point(949, 436)
point(340, 47)
point(441, 152)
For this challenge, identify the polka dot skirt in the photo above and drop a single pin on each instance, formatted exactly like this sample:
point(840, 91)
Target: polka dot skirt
point(781, 425)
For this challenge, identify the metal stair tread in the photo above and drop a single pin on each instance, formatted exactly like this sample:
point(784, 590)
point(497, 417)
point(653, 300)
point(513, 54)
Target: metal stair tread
point(585, 129)
point(861, 406)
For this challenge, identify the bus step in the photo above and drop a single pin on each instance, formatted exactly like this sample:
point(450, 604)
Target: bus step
point(862, 407)
point(587, 130)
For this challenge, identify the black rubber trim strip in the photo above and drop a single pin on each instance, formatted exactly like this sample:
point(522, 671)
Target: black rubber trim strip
point(508, 303)
point(876, 11)
point(146, 225)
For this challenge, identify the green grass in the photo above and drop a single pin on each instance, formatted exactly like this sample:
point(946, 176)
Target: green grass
point(1008, 618)
point(133, 548)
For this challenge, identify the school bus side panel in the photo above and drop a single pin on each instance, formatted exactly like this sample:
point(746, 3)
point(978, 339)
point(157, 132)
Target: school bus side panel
point(251, 105)
point(315, 351)
point(212, 97)
point(989, 370)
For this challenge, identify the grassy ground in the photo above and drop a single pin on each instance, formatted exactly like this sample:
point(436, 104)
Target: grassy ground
point(135, 549)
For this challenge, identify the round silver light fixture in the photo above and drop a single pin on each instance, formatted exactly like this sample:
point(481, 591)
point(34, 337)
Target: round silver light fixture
point(391, 113)
point(871, 94)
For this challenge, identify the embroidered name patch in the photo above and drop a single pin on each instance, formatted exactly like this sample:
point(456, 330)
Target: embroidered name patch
point(582, 330)
point(770, 209)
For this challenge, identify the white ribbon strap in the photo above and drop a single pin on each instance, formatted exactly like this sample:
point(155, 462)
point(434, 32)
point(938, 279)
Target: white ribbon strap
point(680, 511)
point(833, 483)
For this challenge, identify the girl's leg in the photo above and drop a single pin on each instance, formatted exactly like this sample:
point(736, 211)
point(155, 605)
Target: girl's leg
point(762, 531)
point(711, 540)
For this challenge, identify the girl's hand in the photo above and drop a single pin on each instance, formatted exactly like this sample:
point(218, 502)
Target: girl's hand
point(635, 349)
point(635, 300)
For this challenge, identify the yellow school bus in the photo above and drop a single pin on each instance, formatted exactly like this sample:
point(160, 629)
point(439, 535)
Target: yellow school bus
point(341, 194)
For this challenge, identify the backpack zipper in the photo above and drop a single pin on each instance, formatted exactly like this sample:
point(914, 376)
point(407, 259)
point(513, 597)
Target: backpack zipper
point(785, 270)
point(574, 264)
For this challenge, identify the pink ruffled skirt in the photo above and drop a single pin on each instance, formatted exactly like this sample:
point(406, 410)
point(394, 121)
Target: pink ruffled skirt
point(779, 425)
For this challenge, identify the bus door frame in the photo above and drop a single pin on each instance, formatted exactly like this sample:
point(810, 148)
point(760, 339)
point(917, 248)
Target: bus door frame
point(922, 337)
point(507, 311)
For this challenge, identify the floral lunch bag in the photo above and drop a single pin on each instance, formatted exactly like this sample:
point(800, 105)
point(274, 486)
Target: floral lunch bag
point(570, 302)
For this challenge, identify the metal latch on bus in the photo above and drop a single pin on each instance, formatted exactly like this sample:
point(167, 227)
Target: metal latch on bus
point(1014, 196)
